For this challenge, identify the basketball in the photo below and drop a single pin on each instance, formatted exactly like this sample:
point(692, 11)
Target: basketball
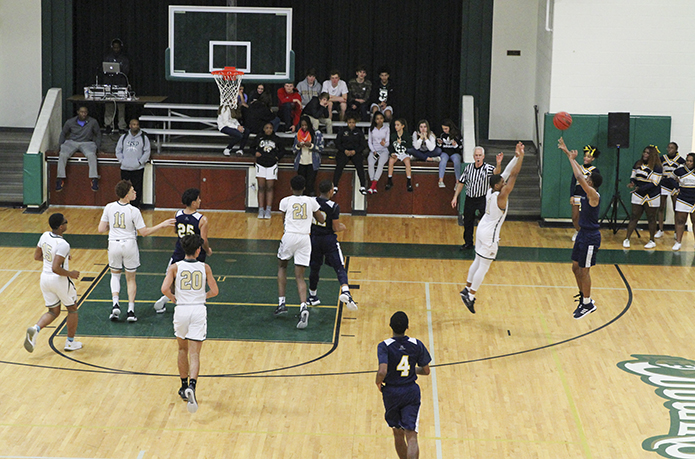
point(562, 120)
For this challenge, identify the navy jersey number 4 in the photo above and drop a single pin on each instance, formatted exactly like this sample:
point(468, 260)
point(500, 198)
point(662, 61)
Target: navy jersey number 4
point(402, 355)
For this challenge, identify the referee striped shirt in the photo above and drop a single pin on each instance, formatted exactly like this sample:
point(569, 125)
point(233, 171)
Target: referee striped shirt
point(477, 179)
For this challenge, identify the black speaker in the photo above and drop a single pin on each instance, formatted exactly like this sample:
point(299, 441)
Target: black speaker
point(618, 130)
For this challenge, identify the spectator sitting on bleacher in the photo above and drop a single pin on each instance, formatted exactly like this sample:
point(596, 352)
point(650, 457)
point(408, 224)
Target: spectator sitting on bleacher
point(241, 98)
point(268, 150)
point(308, 146)
point(382, 95)
point(337, 89)
point(258, 113)
point(289, 107)
point(317, 110)
point(425, 143)
point(260, 90)
point(228, 123)
point(451, 143)
point(351, 146)
point(309, 88)
point(379, 138)
point(400, 144)
point(80, 133)
point(359, 92)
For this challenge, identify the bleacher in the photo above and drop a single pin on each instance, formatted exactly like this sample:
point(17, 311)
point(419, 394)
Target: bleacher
point(179, 126)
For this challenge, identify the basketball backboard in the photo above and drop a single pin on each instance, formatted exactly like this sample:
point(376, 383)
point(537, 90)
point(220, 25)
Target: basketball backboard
point(257, 41)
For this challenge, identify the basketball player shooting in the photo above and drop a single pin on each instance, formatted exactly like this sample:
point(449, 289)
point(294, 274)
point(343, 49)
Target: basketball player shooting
point(488, 235)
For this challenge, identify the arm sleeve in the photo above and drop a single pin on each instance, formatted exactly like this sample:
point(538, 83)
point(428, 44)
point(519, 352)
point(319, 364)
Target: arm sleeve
point(146, 149)
point(63, 134)
point(417, 143)
point(119, 148)
point(508, 170)
point(431, 142)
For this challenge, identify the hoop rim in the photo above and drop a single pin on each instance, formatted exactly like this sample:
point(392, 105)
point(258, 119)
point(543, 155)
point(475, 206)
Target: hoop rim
point(228, 72)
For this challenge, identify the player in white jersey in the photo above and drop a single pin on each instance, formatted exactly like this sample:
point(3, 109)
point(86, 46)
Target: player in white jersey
point(189, 277)
point(488, 234)
point(56, 283)
point(296, 242)
point(123, 222)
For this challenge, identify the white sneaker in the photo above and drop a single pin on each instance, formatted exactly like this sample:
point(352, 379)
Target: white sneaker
point(72, 345)
point(160, 306)
point(346, 298)
point(227, 152)
point(437, 159)
point(30, 339)
point(659, 234)
point(650, 245)
point(574, 236)
point(266, 215)
point(115, 313)
point(303, 317)
point(192, 402)
point(335, 190)
point(626, 243)
point(441, 185)
point(676, 246)
point(261, 212)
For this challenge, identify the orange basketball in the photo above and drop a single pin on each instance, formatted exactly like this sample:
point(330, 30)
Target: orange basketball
point(562, 120)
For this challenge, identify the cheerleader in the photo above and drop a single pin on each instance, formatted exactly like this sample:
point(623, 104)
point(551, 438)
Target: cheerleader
point(646, 193)
point(669, 163)
point(685, 197)
point(576, 190)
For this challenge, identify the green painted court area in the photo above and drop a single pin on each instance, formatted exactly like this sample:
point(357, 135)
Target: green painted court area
point(243, 310)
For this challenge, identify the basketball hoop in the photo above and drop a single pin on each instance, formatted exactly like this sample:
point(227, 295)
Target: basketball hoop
point(228, 80)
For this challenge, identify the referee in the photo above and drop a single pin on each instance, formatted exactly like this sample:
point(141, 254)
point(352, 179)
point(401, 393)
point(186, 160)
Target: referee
point(476, 177)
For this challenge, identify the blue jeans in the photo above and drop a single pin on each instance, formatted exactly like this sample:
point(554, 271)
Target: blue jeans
point(455, 158)
point(236, 136)
point(423, 155)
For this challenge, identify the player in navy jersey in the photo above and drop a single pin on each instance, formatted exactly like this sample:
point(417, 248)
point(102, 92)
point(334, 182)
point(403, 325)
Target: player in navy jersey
point(591, 153)
point(188, 221)
point(324, 245)
point(588, 238)
point(401, 359)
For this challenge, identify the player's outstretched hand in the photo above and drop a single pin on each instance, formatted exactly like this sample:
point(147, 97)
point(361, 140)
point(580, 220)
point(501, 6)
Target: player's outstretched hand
point(572, 154)
point(169, 222)
point(499, 157)
point(519, 149)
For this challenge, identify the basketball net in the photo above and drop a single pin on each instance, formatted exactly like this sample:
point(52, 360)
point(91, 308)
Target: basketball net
point(228, 80)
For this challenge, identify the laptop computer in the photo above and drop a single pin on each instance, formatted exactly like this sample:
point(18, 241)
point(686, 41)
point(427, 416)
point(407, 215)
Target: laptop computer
point(111, 67)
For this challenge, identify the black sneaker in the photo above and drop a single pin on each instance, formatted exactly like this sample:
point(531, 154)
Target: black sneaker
point(182, 393)
point(584, 309)
point(389, 185)
point(60, 183)
point(131, 317)
point(313, 300)
point(470, 304)
point(281, 309)
point(409, 187)
point(115, 312)
point(95, 184)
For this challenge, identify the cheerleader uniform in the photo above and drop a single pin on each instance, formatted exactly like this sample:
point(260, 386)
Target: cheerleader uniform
point(647, 189)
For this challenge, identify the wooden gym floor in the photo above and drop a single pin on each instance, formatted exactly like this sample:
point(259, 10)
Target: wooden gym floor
point(521, 378)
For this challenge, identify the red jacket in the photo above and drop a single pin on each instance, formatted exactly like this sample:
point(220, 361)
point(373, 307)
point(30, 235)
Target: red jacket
point(284, 98)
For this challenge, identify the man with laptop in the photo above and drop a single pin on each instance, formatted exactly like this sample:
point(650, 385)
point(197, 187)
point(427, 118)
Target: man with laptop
point(115, 68)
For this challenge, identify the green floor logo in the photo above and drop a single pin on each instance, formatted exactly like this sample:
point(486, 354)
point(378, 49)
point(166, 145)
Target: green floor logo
point(674, 379)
